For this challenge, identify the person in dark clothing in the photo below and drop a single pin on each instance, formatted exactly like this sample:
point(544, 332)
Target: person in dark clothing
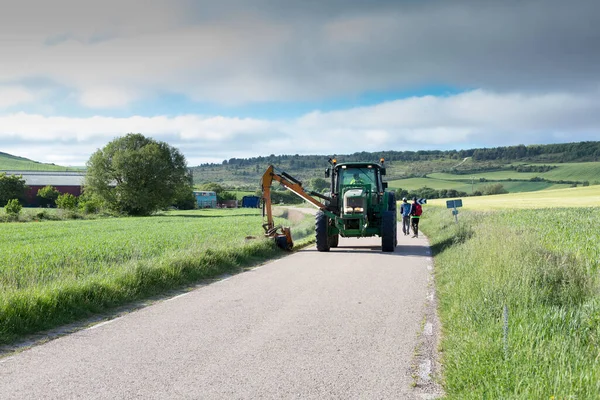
point(405, 210)
point(415, 216)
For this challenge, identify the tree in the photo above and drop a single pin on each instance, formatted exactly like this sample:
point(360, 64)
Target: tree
point(184, 197)
point(11, 187)
point(319, 184)
point(66, 201)
point(136, 175)
point(497, 188)
point(48, 196)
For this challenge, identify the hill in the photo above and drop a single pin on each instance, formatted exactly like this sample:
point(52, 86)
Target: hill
point(517, 168)
point(8, 162)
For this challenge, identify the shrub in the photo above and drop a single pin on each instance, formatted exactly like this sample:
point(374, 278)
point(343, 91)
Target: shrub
point(13, 207)
point(66, 201)
point(89, 204)
point(497, 188)
point(48, 196)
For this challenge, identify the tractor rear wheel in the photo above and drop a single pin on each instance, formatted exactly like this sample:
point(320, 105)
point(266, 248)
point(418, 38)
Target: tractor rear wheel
point(392, 206)
point(334, 240)
point(388, 231)
point(321, 222)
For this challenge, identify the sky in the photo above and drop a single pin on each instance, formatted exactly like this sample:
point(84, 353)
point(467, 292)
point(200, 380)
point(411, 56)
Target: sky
point(240, 78)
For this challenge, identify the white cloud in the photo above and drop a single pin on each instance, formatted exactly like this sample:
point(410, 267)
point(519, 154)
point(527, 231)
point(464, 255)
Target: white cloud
point(15, 95)
point(452, 122)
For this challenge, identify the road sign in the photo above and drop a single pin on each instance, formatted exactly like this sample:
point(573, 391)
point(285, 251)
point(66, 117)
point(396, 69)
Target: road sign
point(422, 201)
point(453, 203)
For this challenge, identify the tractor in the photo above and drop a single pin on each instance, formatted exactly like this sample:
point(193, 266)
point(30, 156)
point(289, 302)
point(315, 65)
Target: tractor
point(357, 205)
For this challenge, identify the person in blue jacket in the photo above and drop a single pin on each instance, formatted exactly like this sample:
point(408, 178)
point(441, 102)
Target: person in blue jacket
point(405, 211)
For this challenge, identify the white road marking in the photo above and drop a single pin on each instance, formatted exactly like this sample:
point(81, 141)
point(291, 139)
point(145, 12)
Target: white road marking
point(102, 324)
point(425, 370)
point(178, 296)
point(429, 329)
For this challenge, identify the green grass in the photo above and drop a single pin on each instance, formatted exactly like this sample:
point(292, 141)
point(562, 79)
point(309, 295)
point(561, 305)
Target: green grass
point(54, 272)
point(589, 171)
point(543, 265)
point(10, 162)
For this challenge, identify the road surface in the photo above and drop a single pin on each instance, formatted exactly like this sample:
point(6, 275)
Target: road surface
point(343, 324)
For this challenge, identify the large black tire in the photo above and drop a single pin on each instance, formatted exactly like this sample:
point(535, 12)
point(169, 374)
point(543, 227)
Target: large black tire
point(334, 240)
point(393, 206)
point(388, 231)
point(321, 237)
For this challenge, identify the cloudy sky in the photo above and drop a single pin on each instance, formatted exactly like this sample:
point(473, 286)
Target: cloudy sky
point(243, 78)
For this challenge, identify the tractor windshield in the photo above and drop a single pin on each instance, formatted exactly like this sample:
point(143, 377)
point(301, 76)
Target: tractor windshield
point(358, 176)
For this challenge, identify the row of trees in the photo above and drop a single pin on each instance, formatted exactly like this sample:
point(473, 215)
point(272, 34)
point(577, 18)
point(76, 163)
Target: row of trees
point(430, 193)
point(579, 151)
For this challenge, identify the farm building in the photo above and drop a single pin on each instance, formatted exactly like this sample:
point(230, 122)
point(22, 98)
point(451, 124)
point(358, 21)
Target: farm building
point(206, 199)
point(64, 182)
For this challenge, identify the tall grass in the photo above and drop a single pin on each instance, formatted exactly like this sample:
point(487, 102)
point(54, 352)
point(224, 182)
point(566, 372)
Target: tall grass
point(543, 266)
point(55, 272)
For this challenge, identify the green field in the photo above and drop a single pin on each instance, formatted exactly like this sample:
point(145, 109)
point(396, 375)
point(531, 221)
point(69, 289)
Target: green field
point(542, 265)
point(513, 181)
point(13, 163)
point(468, 187)
point(560, 198)
point(589, 171)
point(54, 272)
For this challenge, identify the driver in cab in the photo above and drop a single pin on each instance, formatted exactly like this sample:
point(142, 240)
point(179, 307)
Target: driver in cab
point(356, 180)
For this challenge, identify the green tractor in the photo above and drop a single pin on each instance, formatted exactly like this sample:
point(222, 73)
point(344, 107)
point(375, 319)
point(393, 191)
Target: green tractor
point(357, 205)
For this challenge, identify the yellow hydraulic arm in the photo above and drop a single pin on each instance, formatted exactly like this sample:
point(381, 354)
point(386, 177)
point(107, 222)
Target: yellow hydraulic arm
point(284, 238)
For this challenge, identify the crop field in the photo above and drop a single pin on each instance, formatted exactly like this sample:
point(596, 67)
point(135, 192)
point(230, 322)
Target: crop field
point(465, 185)
point(519, 300)
point(589, 171)
point(588, 196)
point(53, 272)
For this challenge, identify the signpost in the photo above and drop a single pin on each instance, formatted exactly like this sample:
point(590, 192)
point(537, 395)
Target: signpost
point(454, 204)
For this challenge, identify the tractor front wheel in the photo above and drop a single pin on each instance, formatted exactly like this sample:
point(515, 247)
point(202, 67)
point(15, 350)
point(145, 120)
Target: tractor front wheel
point(388, 231)
point(321, 232)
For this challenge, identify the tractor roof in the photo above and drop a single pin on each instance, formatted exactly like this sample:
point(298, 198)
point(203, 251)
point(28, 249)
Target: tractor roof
point(359, 165)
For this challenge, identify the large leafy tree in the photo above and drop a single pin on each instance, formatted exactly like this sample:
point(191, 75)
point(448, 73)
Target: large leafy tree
point(136, 175)
point(11, 187)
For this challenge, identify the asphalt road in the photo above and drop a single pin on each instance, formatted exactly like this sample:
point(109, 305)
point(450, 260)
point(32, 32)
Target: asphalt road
point(339, 325)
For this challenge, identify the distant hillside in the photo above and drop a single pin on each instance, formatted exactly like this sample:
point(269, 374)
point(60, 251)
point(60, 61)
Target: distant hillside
point(8, 162)
point(517, 163)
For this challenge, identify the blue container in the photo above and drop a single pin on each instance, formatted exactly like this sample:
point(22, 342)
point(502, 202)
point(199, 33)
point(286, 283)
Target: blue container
point(251, 201)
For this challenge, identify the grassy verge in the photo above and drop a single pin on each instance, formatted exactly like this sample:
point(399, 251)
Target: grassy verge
point(543, 266)
point(55, 272)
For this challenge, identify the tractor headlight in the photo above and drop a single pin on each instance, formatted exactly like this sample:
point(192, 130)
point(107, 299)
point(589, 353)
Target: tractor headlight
point(350, 210)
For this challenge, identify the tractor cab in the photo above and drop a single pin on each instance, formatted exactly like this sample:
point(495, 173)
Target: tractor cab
point(357, 193)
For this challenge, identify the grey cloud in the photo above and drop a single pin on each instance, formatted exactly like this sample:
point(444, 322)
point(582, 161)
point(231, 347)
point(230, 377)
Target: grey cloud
point(267, 50)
